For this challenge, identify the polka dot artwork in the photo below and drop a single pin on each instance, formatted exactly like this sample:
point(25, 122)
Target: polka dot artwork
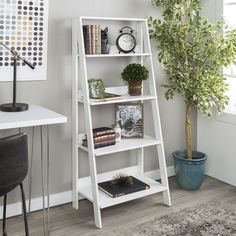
point(23, 27)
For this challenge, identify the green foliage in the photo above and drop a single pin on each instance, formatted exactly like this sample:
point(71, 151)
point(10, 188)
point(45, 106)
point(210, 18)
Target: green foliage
point(135, 72)
point(96, 88)
point(193, 53)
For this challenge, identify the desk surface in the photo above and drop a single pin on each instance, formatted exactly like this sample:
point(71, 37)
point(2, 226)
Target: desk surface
point(35, 116)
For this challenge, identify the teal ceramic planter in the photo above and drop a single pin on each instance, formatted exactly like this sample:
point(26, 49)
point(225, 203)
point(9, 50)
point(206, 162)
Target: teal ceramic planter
point(189, 173)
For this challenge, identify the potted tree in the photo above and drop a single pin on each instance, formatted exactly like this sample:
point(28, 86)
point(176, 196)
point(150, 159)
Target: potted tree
point(135, 73)
point(193, 52)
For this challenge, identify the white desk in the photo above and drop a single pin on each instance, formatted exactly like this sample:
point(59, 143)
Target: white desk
point(35, 116)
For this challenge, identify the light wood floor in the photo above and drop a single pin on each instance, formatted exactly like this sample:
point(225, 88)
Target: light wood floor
point(66, 221)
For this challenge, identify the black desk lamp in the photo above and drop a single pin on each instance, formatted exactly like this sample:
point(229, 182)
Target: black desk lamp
point(15, 107)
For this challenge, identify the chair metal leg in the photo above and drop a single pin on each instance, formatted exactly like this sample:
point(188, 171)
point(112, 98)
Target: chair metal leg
point(24, 210)
point(4, 215)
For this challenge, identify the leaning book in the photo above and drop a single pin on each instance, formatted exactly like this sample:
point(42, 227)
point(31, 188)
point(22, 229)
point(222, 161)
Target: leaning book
point(107, 97)
point(114, 190)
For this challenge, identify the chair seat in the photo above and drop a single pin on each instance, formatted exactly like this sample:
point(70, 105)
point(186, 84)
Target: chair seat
point(9, 187)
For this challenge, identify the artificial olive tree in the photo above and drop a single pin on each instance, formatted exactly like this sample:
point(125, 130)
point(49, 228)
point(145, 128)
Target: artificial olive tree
point(193, 52)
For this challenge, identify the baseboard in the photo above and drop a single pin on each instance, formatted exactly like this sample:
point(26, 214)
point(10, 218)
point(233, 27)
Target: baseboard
point(66, 197)
point(36, 203)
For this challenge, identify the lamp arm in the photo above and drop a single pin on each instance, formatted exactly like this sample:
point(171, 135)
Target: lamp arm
point(17, 55)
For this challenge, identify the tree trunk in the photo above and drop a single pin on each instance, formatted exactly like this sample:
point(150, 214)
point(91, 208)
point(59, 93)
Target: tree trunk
point(188, 131)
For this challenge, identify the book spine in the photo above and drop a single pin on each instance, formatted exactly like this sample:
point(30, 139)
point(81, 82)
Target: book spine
point(93, 39)
point(101, 133)
point(111, 195)
point(102, 129)
point(89, 39)
point(131, 191)
point(99, 40)
point(104, 138)
point(104, 144)
point(100, 144)
point(85, 39)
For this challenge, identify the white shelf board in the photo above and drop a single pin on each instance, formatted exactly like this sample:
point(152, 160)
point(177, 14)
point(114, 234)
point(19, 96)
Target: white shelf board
point(125, 98)
point(112, 18)
point(107, 201)
point(117, 55)
point(124, 145)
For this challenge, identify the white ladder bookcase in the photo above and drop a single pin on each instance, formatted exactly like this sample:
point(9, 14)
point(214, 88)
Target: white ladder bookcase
point(87, 187)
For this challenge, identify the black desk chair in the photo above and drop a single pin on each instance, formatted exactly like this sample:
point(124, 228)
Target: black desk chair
point(13, 170)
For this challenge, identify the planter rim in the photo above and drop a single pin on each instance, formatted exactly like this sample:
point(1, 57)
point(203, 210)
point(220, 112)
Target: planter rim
point(203, 158)
point(135, 81)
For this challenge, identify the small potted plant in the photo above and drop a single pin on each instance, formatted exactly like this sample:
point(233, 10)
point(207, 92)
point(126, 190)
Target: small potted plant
point(135, 74)
point(96, 88)
point(193, 52)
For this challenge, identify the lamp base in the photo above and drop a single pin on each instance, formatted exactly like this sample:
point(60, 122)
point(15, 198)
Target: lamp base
point(10, 107)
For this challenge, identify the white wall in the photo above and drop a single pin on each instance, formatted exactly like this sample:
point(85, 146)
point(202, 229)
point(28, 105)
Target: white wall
point(55, 93)
point(216, 136)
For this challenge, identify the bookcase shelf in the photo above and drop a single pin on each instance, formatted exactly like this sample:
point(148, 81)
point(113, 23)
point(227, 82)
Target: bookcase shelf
point(107, 201)
point(113, 19)
point(122, 91)
point(117, 55)
point(123, 145)
point(125, 98)
point(88, 186)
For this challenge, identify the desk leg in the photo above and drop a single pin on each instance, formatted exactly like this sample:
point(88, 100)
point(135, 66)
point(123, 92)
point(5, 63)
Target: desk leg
point(48, 180)
point(42, 173)
point(30, 171)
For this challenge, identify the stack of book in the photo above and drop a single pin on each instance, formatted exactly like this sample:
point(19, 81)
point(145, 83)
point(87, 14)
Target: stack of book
point(102, 137)
point(92, 39)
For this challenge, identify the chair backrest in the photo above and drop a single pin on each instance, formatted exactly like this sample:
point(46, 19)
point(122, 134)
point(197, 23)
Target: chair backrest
point(13, 161)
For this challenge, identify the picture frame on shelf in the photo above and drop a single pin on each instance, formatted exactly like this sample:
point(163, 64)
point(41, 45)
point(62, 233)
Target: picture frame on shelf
point(129, 116)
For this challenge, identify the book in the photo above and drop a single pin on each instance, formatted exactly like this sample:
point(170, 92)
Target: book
point(114, 190)
point(85, 38)
point(103, 138)
point(102, 131)
point(107, 97)
point(92, 39)
point(100, 144)
point(89, 39)
point(98, 39)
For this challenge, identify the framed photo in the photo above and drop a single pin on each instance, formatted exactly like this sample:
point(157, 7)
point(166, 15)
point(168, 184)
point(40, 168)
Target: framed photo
point(129, 116)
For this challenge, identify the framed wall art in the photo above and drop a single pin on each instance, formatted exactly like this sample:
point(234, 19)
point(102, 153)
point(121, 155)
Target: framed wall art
point(129, 116)
point(24, 27)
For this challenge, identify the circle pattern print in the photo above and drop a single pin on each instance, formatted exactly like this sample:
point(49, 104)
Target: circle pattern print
point(22, 27)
